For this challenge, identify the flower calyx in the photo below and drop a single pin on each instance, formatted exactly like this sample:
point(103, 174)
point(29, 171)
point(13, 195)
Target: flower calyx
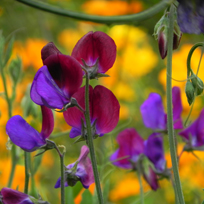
point(73, 102)
point(49, 145)
point(70, 175)
point(93, 70)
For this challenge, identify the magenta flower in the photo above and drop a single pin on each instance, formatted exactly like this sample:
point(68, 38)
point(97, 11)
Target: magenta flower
point(96, 51)
point(190, 16)
point(81, 170)
point(153, 114)
point(56, 82)
point(25, 136)
point(104, 112)
point(10, 196)
point(132, 146)
point(194, 134)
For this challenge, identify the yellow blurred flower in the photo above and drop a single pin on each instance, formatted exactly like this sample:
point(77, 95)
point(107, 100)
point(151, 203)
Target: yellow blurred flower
point(30, 52)
point(109, 8)
point(127, 186)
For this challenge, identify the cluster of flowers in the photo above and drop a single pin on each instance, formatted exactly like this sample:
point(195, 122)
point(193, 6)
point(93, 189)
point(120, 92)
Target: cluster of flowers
point(147, 156)
point(57, 85)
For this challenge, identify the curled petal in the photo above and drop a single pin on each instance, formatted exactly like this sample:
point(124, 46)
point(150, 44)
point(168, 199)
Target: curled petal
point(11, 196)
point(105, 110)
point(23, 135)
point(93, 46)
point(44, 90)
point(49, 49)
point(152, 111)
point(195, 132)
point(47, 122)
point(155, 152)
point(131, 145)
point(177, 108)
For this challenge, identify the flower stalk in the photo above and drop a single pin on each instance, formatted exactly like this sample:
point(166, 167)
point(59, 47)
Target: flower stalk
point(90, 141)
point(169, 109)
point(26, 155)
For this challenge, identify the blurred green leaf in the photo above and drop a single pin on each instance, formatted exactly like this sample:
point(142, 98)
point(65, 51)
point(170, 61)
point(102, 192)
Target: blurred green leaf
point(106, 191)
point(8, 50)
point(15, 68)
point(2, 43)
point(87, 197)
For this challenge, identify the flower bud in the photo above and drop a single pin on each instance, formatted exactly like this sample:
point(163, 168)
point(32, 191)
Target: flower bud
point(189, 90)
point(197, 84)
point(160, 33)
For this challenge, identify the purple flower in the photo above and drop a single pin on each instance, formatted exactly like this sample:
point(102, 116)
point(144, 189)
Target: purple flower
point(153, 114)
point(194, 134)
point(81, 170)
point(96, 51)
point(10, 196)
point(132, 146)
point(191, 16)
point(25, 136)
point(104, 112)
point(57, 80)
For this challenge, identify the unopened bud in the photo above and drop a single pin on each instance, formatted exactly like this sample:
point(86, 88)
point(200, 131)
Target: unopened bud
point(160, 33)
point(189, 89)
point(197, 84)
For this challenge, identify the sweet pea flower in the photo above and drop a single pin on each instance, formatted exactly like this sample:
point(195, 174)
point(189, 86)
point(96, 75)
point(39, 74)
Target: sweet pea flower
point(190, 16)
point(153, 114)
point(96, 51)
point(104, 112)
point(194, 134)
point(10, 196)
point(132, 147)
point(25, 136)
point(81, 170)
point(59, 78)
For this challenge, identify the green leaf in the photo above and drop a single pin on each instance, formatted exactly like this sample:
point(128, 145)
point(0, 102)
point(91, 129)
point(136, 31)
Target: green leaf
point(69, 198)
point(87, 197)
point(9, 50)
point(106, 191)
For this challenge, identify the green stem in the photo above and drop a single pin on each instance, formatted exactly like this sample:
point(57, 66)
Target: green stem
point(124, 19)
point(169, 108)
point(13, 151)
point(62, 178)
point(141, 186)
point(26, 155)
point(90, 141)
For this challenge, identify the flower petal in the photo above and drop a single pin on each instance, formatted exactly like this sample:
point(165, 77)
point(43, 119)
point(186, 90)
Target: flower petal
point(84, 168)
point(152, 111)
point(190, 16)
point(195, 132)
point(49, 49)
point(73, 115)
point(44, 91)
point(106, 110)
point(131, 145)
point(177, 108)
point(23, 135)
point(66, 72)
point(11, 196)
point(58, 183)
point(93, 46)
point(155, 152)
point(47, 122)
point(74, 132)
